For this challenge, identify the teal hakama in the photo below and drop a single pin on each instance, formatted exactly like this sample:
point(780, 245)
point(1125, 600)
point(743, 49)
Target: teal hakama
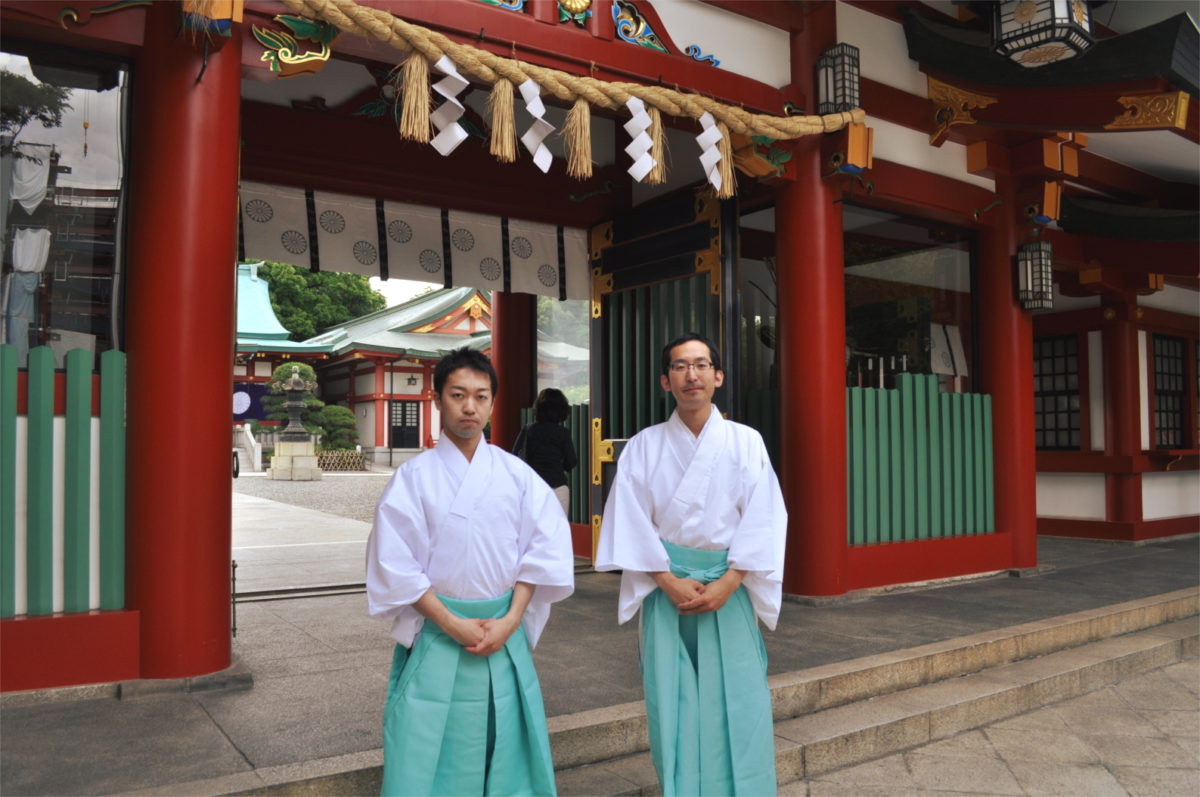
point(707, 701)
point(458, 724)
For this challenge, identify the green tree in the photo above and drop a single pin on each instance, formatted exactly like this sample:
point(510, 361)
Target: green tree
point(340, 427)
point(22, 101)
point(568, 321)
point(308, 303)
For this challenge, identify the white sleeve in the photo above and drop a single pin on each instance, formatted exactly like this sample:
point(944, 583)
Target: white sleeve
point(629, 540)
point(758, 544)
point(546, 557)
point(398, 556)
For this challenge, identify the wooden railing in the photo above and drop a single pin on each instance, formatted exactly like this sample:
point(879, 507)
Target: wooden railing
point(919, 462)
point(62, 483)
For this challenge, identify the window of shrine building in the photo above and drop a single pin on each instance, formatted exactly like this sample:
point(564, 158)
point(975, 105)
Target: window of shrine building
point(1169, 392)
point(1056, 400)
point(908, 300)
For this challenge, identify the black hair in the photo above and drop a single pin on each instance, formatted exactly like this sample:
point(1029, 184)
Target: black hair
point(551, 406)
point(463, 358)
point(684, 338)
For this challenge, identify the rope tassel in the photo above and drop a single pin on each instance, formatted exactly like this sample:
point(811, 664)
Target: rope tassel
point(725, 166)
point(504, 127)
point(658, 174)
point(578, 134)
point(414, 117)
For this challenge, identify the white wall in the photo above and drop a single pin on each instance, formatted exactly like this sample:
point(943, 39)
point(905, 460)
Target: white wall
point(364, 384)
point(1143, 390)
point(1095, 364)
point(1173, 298)
point(882, 50)
point(364, 413)
point(1079, 496)
point(908, 147)
point(1170, 494)
point(742, 45)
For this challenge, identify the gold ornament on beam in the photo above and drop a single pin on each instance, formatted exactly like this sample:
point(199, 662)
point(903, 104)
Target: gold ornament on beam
point(283, 52)
point(952, 106)
point(1152, 112)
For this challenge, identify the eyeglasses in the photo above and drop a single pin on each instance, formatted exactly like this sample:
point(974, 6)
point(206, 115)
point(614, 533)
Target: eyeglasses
point(701, 366)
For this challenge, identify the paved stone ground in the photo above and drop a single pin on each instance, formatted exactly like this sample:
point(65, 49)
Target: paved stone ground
point(351, 496)
point(1138, 737)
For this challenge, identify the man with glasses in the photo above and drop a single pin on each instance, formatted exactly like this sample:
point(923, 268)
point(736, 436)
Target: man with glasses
point(696, 522)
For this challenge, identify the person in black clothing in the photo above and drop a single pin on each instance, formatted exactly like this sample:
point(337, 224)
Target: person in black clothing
point(546, 444)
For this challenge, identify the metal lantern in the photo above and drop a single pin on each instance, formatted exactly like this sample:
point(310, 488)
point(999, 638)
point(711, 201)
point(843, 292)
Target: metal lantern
point(1035, 275)
point(1038, 32)
point(837, 79)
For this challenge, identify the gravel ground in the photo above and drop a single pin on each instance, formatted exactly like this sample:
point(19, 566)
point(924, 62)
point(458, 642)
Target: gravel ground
point(349, 496)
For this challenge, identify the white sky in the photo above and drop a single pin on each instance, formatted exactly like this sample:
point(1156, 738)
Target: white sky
point(101, 167)
point(398, 291)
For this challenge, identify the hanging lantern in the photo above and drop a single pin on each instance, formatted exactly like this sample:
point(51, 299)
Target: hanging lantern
point(837, 79)
point(1038, 32)
point(1035, 275)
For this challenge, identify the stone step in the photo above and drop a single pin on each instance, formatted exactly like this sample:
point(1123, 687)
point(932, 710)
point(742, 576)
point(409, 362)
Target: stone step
point(847, 712)
point(858, 732)
point(605, 733)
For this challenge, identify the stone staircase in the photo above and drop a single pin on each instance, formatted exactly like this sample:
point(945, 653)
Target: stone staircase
point(847, 713)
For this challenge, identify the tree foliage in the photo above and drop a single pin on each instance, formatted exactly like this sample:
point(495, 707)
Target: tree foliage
point(340, 427)
point(284, 372)
point(307, 303)
point(568, 322)
point(22, 101)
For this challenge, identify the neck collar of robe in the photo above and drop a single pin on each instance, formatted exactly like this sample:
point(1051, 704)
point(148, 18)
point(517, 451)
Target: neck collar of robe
point(713, 413)
point(453, 458)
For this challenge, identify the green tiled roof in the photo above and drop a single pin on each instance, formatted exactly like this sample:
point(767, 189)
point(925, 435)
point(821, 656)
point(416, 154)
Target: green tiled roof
point(258, 328)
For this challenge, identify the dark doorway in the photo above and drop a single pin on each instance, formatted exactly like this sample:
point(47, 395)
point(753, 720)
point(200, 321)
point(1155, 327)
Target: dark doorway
point(406, 424)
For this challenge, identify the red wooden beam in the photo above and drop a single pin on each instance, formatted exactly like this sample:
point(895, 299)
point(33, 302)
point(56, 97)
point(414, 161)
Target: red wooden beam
point(903, 188)
point(68, 649)
point(564, 47)
point(896, 105)
point(923, 560)
point(117, 33)
point(470, 179)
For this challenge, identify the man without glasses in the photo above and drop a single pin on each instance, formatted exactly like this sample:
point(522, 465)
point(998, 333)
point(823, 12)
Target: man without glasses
point(696, 522)
point(468, 551)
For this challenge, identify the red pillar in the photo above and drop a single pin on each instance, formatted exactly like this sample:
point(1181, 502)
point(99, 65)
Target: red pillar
point(427, 406)
point(811, 352)
point(381, 405)
point(179, 333)
point(1122, 407)
point(1005, 370)
point(513, 357)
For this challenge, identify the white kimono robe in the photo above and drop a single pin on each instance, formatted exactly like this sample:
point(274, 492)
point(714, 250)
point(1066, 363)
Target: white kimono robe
point(708, 707)
point(470, 530)
point(713, 492)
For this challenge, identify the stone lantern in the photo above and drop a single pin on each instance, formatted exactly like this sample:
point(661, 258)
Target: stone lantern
point(295, 457)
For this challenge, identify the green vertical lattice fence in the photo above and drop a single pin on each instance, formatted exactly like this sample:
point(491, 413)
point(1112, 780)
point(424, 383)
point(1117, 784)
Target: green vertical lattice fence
point(578, 479)
point(637, 324)
point(919, 463)
point(62, 477)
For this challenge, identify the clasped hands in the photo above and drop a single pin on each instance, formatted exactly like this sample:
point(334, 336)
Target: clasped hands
point(692, 597)
point(483, 637)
